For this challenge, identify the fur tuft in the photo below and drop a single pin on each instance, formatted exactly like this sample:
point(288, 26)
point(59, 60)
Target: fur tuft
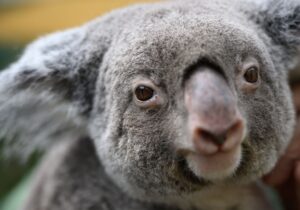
point(33, 121)
point(282, 22)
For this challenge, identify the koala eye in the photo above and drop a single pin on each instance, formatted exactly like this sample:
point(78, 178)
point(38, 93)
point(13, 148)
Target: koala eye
point(251, 75)
point(143, 93)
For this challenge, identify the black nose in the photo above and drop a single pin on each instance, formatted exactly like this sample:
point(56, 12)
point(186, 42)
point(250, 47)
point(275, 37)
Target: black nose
point(217, 139)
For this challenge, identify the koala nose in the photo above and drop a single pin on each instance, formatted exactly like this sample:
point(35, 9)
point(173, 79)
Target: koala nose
point(208, 141)
point(214, 121)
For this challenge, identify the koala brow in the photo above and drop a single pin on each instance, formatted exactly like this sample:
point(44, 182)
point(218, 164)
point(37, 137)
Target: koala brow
point(201, 62)
point(153, 75)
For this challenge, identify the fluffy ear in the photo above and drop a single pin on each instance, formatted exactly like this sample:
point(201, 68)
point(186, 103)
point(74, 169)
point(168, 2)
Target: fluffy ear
point(48, 94)
point(280, 20)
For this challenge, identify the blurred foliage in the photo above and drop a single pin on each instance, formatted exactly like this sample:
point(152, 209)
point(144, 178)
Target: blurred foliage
point(18, 195)
point(12, 170)
point(8, 54)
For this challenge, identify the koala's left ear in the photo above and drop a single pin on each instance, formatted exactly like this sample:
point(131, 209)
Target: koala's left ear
point(47, 95)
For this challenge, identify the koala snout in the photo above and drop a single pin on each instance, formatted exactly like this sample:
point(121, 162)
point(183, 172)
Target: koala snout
point(207, 142)
point(214, 121)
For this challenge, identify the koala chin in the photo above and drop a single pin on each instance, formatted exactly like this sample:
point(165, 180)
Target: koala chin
point(173, 105)
point(216, 167)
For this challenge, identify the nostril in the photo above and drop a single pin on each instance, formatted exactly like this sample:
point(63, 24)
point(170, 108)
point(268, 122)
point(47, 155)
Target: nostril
point(235, 127)
point(209, 141)
point(234, 135)
point(217, 139)
point(204, 142)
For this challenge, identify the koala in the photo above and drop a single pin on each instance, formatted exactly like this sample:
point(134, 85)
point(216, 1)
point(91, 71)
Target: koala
point(176, 105)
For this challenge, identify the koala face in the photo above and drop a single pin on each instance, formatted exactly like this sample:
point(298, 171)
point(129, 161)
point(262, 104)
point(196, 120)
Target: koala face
point(192, 100)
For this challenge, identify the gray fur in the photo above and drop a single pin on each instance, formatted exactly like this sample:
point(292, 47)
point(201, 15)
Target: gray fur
point(79, 83)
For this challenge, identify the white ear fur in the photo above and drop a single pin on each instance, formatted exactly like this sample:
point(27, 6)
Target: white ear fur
point(40, 95)
point(281, 20)
point(32, 120)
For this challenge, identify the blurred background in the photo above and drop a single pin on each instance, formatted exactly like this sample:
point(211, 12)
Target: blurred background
point(22, 21)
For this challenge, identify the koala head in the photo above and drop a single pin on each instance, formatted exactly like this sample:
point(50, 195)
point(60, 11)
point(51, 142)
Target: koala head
point(196, 97)
point(176, 96)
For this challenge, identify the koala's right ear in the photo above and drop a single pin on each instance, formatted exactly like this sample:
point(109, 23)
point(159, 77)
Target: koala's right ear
point(48, 94)
point(281, 20)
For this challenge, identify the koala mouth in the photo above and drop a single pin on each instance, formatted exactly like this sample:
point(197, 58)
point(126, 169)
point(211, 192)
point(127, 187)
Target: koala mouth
point(216, 167)
point(200, 169)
